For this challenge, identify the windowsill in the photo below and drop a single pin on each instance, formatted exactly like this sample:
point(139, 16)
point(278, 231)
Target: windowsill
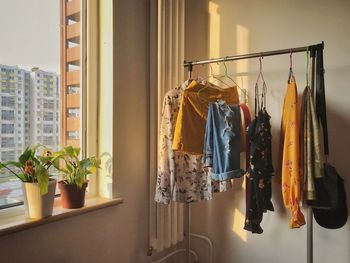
point(13, 219)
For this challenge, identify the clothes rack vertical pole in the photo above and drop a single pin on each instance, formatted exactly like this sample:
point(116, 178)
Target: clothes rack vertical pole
point(188, 210)
point(310, 254)
point(309, 223)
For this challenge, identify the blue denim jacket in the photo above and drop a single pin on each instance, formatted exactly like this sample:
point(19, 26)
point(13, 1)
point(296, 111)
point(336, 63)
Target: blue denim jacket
point(222, 141)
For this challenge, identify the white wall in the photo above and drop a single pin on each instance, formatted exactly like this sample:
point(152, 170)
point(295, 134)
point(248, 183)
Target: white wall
point(116, 234)
point(236, 27)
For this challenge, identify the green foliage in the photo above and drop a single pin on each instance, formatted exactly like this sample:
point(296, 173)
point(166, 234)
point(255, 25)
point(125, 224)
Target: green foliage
point(25, 156)
point(31, 167)
point(43, 178)
point(74, 170)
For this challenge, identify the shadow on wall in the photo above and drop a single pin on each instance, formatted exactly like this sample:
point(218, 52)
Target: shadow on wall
point(339, 142)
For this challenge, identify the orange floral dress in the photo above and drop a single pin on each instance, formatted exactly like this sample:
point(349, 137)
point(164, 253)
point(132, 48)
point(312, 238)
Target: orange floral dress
point(291, 177)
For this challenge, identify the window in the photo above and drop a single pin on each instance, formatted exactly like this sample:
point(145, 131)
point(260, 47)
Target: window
point(48, 128)
point(7, 155)
point(73, 112)
point(48, 116)
point(19, 80)
point(32, 94)
point(49, 140)
point(7, 101)
point(7, 115)
point(7, 142)
point(48, 105)
point(73, 135)
point(7, 128)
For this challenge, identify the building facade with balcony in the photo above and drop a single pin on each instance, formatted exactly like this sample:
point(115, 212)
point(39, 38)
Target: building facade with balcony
point(44, 109)
point(30, 115)
point(14, 109)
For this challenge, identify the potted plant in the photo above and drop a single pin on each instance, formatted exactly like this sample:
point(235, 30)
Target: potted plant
point(38, 188)
point(75, 171)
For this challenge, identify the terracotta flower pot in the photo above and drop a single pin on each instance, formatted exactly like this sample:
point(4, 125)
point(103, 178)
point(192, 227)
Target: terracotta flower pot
point(71, 195)
point(36, 205)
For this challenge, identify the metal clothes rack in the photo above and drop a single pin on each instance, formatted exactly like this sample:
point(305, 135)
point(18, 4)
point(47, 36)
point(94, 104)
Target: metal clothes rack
point(189, 65)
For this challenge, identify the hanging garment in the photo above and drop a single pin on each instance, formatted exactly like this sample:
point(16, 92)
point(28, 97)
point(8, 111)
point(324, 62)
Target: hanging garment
point(311, 146)
point(291, 178)
point(222, 141)
point(180, 176)
point(191, 120)
point(321, 110)
point(260, 171)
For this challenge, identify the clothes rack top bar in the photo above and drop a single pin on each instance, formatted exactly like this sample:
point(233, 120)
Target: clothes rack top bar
point(189, 64)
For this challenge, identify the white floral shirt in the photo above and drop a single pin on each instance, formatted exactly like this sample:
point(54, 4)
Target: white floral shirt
point(180, 177)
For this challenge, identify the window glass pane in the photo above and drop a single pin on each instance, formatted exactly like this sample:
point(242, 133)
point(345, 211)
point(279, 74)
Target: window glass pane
point(29, 84)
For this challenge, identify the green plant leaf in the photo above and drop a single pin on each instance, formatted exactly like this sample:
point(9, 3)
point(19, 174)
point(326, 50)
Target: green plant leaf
point(85, 163)
point(80, 178)
point(43, 178)
point(77, 151)
point(44, 159)
point(22, 177)
point(69, 167)
point(36, 147)
point(16, 164)
point(56, 163)
point(25, 156)
point(69, 150)
point(58, 154)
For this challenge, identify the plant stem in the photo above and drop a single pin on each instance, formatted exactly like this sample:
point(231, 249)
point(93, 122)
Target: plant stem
point(12, 172)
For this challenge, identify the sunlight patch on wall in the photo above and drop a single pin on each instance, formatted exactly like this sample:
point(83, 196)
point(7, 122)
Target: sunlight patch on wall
point(214, 33)
point(242, 47)
point(238, 223)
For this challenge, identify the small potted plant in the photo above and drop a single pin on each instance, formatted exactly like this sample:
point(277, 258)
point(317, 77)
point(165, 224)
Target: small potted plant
point(75, 171)
point(38, 188)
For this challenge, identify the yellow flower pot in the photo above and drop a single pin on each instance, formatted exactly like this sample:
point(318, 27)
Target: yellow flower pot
point(36, 205)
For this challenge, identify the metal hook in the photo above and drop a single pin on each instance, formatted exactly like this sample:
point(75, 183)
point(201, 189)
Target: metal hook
point(225, 67)
point(291, 74)
point(260, 62)
point(307, 66)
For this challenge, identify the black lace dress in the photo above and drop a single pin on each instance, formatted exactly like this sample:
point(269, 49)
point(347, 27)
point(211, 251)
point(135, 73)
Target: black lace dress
point(260, 170)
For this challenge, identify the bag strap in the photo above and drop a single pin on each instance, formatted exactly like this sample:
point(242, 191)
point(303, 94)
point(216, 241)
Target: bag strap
point(321, 96)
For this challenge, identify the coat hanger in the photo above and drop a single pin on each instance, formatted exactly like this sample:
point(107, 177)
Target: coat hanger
point(215, 77)
point(259, 106)
point(260, 73)
point(227, 76)
point(291, 74)
point(218, 78)
point(206, 83)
